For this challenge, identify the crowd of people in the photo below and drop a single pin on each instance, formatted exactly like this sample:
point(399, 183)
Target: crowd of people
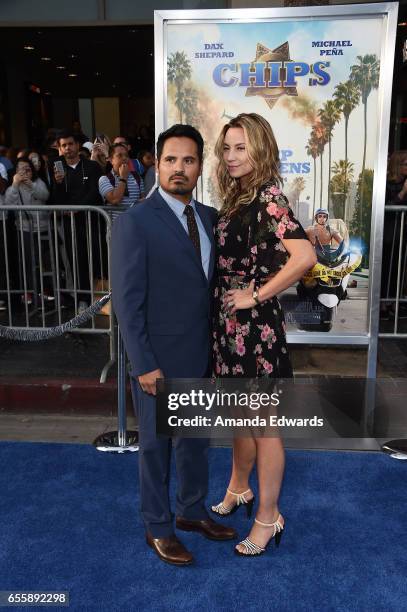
point(69, 170)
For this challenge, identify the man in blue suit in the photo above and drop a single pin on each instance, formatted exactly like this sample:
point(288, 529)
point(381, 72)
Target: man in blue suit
point(162, 265)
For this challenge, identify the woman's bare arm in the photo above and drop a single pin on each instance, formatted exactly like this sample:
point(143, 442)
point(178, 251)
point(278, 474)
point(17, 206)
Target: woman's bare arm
point(302, 258)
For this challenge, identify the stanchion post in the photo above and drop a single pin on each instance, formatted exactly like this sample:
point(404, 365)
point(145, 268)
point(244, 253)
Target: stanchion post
point(120, 441)
point(121, 391)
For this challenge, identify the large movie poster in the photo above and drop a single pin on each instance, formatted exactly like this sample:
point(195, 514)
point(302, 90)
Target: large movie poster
point(316, 82)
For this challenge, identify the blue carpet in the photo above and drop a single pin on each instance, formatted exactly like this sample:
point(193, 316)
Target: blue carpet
point(69, 520)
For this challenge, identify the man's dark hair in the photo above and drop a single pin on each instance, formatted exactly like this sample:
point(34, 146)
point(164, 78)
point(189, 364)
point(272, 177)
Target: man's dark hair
point(68, 134)
point(180, 131)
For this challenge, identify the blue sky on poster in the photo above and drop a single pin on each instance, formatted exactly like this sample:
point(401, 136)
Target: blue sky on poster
point(241, 38)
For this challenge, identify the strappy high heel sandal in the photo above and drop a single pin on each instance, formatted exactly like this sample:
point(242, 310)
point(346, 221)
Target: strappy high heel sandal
point(222, 510)
point(254, 550)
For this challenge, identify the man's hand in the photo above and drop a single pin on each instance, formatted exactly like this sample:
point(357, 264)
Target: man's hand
point(59, 177)
point(124, 170)
point(99, 153)
point(148, 381)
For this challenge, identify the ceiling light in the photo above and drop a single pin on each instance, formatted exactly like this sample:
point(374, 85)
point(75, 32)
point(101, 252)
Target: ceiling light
point(98, 73)
point(402, 24)
point(29, 47)
point(72, 74)
point(47, 93)
point(46, 59)
point(61, 67)
point(72, 56)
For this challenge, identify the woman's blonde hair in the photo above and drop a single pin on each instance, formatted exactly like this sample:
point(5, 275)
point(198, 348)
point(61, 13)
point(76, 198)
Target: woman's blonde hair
point(262, 151)
point(394, 173)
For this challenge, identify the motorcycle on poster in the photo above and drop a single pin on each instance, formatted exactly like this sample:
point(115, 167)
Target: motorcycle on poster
point(326, 284)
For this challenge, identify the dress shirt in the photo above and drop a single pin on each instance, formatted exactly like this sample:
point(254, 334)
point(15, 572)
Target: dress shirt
point(178, 208)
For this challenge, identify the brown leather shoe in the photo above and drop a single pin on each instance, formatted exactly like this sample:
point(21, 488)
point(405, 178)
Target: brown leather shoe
point(207, 527)
point(170, 549)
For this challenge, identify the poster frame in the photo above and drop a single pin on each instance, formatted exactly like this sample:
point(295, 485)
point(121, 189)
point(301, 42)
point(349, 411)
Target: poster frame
point(388, 11)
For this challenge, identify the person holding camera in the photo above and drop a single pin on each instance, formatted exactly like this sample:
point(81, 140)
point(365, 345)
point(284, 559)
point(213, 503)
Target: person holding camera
point(28, 189)
point(75, 183)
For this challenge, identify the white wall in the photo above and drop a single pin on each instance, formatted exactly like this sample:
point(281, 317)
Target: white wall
point(107, 116)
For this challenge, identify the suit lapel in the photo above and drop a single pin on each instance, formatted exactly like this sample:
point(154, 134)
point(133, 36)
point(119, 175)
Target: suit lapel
point(165, 213)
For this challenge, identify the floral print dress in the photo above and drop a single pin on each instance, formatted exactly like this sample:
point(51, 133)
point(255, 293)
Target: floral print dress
point(251, 343)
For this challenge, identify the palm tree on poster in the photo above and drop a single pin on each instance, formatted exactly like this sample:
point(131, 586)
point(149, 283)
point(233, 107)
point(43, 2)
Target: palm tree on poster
point(312, 151)
point(297, 186)
point(365, 76)
point(342, 174)
point(318, 135)
point(347, 97)
point(178, 71)
point(190, 107)
point(329, 115)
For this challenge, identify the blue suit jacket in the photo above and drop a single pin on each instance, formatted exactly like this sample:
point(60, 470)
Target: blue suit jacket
point(161, 296)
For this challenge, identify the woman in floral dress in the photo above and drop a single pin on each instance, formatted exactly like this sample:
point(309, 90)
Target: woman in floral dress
point(262, 250)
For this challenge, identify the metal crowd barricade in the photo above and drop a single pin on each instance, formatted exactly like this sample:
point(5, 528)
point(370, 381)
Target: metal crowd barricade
point(398, 255)
point(52, 258)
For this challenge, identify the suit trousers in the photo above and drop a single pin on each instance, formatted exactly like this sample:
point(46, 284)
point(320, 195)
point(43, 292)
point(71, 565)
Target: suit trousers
point(191, 460)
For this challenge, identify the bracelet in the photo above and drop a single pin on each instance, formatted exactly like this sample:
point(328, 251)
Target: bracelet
point(255, 296)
